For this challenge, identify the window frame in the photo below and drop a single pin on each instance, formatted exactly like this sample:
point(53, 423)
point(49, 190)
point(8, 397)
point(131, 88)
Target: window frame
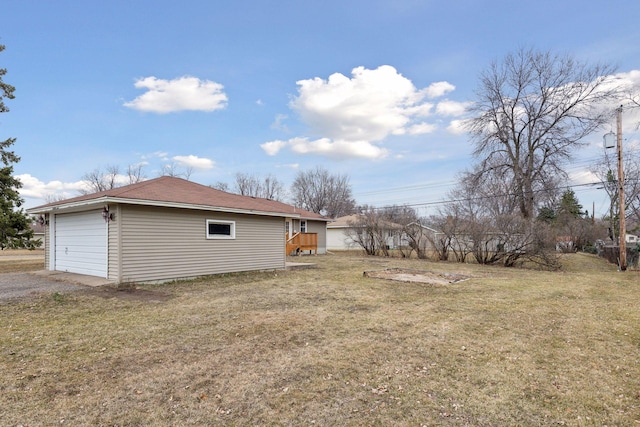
point(303, 226)
point(232, 229)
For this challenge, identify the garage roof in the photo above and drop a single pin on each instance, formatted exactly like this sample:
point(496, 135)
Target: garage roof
point(177, 192)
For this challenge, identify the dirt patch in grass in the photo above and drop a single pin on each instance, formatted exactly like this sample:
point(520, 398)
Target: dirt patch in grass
point(417, 276)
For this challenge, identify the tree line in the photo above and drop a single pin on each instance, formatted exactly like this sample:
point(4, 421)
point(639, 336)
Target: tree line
point(532, 113)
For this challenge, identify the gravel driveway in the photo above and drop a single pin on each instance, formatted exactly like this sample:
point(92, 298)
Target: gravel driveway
point(16, 285)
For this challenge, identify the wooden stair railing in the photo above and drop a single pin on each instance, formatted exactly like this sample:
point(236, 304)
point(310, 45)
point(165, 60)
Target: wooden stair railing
point(299, 242)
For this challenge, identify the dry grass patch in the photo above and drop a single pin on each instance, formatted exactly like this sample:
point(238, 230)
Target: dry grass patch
point(327, 345)
point(21, 260)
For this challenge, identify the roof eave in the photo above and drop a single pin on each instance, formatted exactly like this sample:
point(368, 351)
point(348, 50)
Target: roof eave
point(74, 206)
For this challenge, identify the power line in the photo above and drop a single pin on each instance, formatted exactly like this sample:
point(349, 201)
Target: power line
point(485, 197)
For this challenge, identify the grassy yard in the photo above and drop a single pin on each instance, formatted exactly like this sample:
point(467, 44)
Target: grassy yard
point(329, 346)
point(14, 261)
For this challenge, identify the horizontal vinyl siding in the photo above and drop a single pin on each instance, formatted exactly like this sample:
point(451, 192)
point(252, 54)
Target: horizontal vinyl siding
point(337, 239)
point(167, 243)
point(113, 244)
point(47, 245)
point(319, 227)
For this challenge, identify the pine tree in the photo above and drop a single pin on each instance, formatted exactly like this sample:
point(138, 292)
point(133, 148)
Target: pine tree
point(15, 230)
point(569, 205)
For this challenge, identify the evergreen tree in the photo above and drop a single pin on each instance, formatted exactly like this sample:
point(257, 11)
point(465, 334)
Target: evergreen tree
point(547, 214)
point(15, 230)
point(569, 205)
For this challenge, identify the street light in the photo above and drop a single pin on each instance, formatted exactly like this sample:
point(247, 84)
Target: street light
point(609, 143)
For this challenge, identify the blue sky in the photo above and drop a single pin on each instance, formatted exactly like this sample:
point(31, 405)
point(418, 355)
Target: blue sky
point(371, 89)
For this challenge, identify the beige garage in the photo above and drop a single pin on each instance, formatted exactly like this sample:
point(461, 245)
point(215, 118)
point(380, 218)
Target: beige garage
point(169, 228)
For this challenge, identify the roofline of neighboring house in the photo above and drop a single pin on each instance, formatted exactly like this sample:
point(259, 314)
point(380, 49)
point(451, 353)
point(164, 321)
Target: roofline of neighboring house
point(390, 225)
point(77, 206)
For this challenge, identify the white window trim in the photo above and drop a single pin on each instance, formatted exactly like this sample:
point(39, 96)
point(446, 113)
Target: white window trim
point(303, 226)
point(221, 236)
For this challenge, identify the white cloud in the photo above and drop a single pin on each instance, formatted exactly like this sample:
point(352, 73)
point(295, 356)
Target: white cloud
point(422, 128)
point(451, 108)
point(278, 123)
point(438, 89)
point(353, 115)
point(32, 187)
point(183, 93)
point(457, 127)
point(369, 106)
point(273, 147)
point(583, 177)
point(326, 147)
point(194, 162)
point(337, 149)
point(162, 155)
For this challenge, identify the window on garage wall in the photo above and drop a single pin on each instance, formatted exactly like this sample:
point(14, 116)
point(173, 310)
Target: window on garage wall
point(220, 229)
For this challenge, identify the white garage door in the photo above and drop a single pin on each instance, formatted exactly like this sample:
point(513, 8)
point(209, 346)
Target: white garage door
point(81, 243)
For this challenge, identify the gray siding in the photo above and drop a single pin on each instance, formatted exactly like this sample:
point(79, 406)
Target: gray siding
point(166, 243)
point(113, 244)
point(319, 227)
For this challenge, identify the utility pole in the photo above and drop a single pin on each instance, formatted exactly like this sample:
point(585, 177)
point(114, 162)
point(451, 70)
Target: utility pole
point(622, 235)
point(623, 231)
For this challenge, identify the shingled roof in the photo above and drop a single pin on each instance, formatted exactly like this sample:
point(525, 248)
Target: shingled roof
point(178, 192)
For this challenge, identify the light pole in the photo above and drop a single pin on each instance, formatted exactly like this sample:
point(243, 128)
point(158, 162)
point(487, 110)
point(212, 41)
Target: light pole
point(608, 143)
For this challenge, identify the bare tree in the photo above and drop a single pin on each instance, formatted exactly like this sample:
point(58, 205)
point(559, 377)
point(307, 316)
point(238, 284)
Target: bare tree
point(220, 185)
point(489, 228)
point(319, 191)
point(419, 239)
point(440, 241)
point(101, 180)
point(251, 185)
point(247, 185)
point(632, 95)
point(605, 170)
point(411, 236)
point(53, 197)
point(174, 170)
point(135, 173)
point(532, 111)
point(110, 177)
point(273, 189)
point(371, 232)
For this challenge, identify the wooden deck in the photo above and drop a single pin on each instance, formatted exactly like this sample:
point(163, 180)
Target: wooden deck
point(301, 242)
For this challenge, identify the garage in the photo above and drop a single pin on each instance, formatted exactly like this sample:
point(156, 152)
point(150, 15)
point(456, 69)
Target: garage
point(81, 243)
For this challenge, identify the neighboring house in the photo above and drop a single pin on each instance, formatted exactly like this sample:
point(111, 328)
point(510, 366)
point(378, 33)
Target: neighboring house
point(337, 238)
point(39, 232)
point(565, 244)
point(168, 228)
point(338, 233)
point(630, 240)
point(427, 236)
